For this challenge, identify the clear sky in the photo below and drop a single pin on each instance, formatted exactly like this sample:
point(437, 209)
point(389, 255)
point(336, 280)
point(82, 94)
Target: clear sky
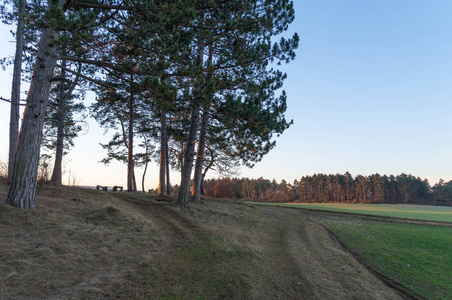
point(369, 92)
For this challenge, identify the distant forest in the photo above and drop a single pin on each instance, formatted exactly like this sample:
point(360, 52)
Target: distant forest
point(337, 188)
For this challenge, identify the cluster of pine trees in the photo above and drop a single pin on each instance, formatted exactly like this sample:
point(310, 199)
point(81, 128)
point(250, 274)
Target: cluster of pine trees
point(334, 188)
point(196, 79)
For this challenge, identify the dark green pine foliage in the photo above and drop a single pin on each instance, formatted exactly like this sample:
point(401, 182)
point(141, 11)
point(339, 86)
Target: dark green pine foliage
point(239, 85)
point(145, 51)
point(249, 110)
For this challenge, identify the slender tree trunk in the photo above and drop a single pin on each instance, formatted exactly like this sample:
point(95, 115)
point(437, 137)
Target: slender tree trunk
point(134, 181)
point(184, 191)
point(146, 162)
point(200, 155)
point(181, 155)
point(57, 167)
point(15, 91)
point(203, 192)
point(22, 190)
point(144, 174)
point(163, 146)
point(131, 183)
point(203, 134)
point(168, 183)
point(204, 174)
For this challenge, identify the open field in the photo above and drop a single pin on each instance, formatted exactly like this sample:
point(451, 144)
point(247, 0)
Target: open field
point(87, 244)
point(417, 212)
point(415, 256)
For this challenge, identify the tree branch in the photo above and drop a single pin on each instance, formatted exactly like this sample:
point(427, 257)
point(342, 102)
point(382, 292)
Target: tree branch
point(84, 76)
point(74, 84)
point(102, 6)
point(9, 101)
point(66, 4)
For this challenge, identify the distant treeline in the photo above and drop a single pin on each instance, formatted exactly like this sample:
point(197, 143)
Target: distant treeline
point(339, 188)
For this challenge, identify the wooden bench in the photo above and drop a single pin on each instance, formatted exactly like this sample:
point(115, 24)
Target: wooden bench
point(116, 188)
point(102, 188)
point(105, 188)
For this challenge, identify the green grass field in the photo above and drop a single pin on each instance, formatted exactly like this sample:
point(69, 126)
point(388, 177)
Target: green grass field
point(417, 257)
point(418, 212)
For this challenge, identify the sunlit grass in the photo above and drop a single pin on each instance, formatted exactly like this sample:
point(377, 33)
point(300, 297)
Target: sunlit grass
point(417, 257)
point(419, 212)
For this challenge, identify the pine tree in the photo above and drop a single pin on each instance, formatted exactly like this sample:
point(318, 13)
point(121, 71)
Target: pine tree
point(59, 23)
point(23, 181)
point(236, 36)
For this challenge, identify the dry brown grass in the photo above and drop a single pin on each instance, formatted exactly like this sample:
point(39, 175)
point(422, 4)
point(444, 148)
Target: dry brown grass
point(78, 243)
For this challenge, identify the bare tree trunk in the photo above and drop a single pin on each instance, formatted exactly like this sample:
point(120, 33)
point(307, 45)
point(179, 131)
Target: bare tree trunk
point(15, 91)
point(144, 175)
point(200, 155)
point(22, 190)
point(57, 173)
point(131, 183)
point(203, 192)
point(163, 147)
point(184, 191)
point(203, 134)
point(146, 162)
point(204, 174)
point(134, 180)
point(168, 183)
point(57, 167)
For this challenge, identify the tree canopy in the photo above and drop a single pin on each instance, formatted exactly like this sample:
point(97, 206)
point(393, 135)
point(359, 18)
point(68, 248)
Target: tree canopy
point(157, 67)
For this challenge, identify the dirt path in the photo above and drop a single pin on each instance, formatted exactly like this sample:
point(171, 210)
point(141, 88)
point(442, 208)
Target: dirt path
point(293, 255)
point(330, 270)
point(298, 257)
point(320, 268)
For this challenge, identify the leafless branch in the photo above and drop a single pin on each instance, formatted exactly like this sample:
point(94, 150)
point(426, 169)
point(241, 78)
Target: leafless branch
point(9, 101)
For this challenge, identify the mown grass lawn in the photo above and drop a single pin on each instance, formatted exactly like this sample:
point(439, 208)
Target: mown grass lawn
point(417, 257)
point(418, 212)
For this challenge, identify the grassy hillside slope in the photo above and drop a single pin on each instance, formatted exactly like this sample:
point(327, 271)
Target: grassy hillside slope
point(86, 244)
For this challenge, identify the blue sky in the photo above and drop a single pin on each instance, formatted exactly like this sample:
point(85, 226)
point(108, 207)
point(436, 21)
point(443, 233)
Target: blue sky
point(369, 92)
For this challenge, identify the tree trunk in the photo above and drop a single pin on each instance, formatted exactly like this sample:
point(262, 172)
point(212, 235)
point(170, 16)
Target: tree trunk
point(200, 155)
point(22, 192)
point(168, 184)
point(57, 167)
point(163, 146)
point(204, 174)
point(131, 183)
point(15, 91)
point(203, 192)
point(144, 174)
point(184, 191)
point(146, 162)
point(202, 137)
